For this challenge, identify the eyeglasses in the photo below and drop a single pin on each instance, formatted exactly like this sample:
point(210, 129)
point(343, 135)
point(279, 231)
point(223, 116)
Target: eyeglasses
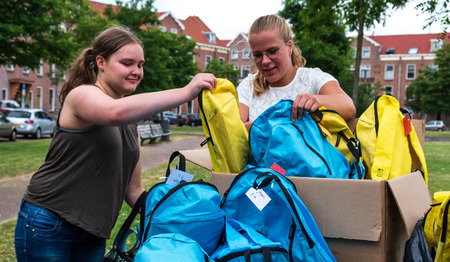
point(271, 53)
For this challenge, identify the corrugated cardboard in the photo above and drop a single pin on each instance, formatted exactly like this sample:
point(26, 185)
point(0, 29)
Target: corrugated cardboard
point(361, 220)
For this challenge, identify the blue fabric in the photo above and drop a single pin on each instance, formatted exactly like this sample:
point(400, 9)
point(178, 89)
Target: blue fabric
point(191, 209)
point(171, 247)
point(41, 235)
point(242, 240)
point(284, 219)
point(298, 147)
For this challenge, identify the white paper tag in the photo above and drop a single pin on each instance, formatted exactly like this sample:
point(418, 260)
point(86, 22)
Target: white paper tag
point(258, 197)
point(177, 175)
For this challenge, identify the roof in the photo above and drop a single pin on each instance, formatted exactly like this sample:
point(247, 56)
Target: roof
point(403, 43)
point(162, 15)
point(198, 31)
point(100, 7)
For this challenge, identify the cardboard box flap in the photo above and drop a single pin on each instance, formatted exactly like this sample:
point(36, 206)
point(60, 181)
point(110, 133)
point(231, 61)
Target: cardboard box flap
point(344, 208)
point(412, 197)
point(199, 157)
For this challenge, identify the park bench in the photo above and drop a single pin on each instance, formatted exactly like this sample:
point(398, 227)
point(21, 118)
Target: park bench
point(151, 131)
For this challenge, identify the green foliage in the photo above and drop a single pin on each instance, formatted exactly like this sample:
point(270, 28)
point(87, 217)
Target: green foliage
point(169, 60)
point(30, 31)
point(366, 95)
point(134, 13)
point(430, 92)
point(439, 13)
point(223, 70)
point(320, 34)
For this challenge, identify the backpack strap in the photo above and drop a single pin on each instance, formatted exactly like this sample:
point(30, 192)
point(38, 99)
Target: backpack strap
point(123, 233)
point(182, 162)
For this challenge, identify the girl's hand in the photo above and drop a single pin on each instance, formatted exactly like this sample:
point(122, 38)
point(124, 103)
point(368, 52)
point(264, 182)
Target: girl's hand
point(303, 102)
point(199, 82)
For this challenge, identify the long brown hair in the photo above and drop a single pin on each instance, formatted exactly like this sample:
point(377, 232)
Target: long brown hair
point(84, 69)
point(276, 23)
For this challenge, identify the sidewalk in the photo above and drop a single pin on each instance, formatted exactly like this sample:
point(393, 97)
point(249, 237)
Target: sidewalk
point(12, 189)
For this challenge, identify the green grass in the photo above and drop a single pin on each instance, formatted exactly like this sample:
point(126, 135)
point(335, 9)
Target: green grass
point(22, 157)
point(437, 133)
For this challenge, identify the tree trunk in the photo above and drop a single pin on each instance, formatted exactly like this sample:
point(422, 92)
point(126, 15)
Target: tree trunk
point(359, 42)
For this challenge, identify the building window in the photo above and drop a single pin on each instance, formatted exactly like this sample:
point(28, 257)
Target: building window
point(39, 97)
point(221, 60)
point(364, 72)
point(51, 98)
point(246, 54)
point(26, 70)
point(388, 90)
point(245, 71)
point(413, 50)
point(236, 67)
point(4, 94)
point(389, 72)
point(173, 30)
point(410, 72)
point(365, 52)
point(208, 59)
point(31, 99)
point(234, 54)
point(39, 70)
point(390, 51)
point(436, 44)
point(53, 70)
point(10, 68)
point(433, 68)
point(211, 37)
point(163, 28)
point(190, 108)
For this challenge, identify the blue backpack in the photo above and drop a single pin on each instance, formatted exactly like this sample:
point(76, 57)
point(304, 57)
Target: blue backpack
point(190, 208)
point(299, 147)
point(243, 243)
point(171, 247)
point(284, 219)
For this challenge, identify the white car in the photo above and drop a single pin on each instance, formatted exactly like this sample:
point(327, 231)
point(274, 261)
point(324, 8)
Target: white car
point(436, 125)
point(8, 105)
point(34, 122)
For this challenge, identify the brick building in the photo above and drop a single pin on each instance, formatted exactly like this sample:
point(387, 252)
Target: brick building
point(395, 60)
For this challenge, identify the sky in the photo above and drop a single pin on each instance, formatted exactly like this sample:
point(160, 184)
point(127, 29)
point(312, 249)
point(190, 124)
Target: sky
point(230, 17)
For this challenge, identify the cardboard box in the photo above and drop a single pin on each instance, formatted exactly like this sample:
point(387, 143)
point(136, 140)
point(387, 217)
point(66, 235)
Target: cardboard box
point(361, 220)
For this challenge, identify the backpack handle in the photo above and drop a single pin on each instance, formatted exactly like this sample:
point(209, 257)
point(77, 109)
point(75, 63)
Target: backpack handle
point(182, 162)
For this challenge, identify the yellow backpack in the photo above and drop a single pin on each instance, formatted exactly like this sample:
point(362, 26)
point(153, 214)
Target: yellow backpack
point(430, 219)
point(388, 140)
point(442, 232)
point(225, 133)
point(338, 133)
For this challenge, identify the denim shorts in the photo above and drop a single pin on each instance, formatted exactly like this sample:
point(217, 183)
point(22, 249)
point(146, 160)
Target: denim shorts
point(42, 235)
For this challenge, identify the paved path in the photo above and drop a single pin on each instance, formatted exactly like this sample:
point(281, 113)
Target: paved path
point(12, 189)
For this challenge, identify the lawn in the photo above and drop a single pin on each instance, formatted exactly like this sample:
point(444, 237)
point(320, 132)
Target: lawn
point(436, 154)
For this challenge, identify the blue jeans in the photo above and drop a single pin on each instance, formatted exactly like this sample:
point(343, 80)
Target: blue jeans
point(41, 235)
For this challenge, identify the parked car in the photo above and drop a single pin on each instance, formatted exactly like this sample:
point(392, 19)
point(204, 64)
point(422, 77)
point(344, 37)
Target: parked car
point(33, 122)
point(7, 129)
point(435, 125)
point(171, 116)
point(8, 105)
point(189, 120)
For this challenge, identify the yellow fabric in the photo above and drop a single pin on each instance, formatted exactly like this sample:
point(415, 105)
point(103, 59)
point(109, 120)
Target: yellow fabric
point(226, 133)
point(428, 224)
point(331, 123)
point(389, 154)
point(441, 233)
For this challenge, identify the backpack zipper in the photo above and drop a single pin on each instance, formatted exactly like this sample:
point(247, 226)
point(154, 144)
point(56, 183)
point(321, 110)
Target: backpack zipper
point(312, 149)
point(200, 105)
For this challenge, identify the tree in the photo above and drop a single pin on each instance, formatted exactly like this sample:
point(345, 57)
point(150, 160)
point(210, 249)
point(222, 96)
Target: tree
point(361, 14)
point(169, 60)
point(320, 33)
point(32, 31)
point(430, 92)
point(223, 70)
point(439, 11)
point(133, 13)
